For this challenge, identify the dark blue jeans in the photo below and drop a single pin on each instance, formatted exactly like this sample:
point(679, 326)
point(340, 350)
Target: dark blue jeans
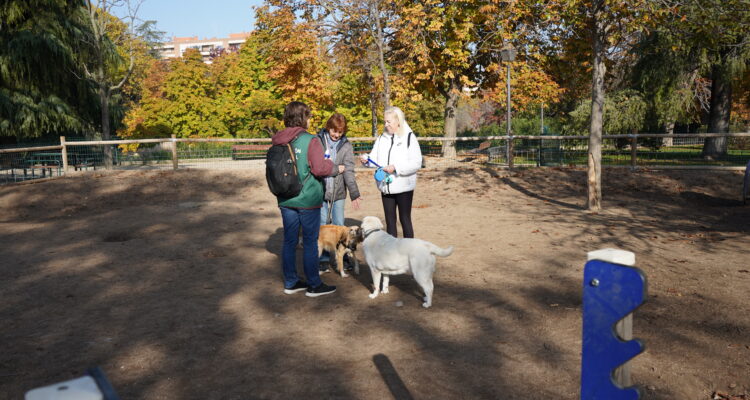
point(309, 221)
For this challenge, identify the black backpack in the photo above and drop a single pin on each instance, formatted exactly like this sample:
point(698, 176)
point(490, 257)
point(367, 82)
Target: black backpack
point(281, 171)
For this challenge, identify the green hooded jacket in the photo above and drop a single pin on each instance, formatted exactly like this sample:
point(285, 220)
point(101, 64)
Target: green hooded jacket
point(312, 192)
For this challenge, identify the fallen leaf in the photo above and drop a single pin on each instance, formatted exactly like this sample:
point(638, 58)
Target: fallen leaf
point(213, 254)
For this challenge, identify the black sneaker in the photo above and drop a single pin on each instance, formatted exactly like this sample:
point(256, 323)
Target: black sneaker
point(298, 287)
point(321, 290)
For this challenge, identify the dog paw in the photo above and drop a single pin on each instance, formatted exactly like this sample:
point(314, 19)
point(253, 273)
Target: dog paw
point(344, 275)
point(426, 305)
point(385, 290)
point(373, 295)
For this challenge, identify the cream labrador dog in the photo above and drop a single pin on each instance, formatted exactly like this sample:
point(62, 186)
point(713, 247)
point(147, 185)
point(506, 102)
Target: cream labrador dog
point(387, 255)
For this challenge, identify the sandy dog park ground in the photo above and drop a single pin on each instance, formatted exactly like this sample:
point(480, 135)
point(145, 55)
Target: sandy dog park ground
point(170, 282)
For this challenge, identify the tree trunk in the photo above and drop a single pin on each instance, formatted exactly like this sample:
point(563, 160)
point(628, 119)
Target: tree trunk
point(380, 44)
point(373, 100)
point(104, 104)
point(449, 130)
point(374, 112)
point(719, 113)
point(669, 130)
point(597, 116)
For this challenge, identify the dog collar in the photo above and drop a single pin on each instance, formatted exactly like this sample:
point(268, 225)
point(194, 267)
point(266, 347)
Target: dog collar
point(370, 232)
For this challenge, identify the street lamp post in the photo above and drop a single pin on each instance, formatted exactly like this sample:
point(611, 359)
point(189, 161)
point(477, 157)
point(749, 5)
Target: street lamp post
point(508, 54)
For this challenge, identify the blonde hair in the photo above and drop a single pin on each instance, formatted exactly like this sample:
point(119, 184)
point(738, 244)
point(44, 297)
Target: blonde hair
point(403, 126)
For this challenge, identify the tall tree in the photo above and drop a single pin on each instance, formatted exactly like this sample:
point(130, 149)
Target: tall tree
point(359, 32)
point(232, 97)
point(147, 118)
point(298, 61)
point(446, 46)
point(609, 27)
point(39, 92)
point(104, 66)
point(669, 76)
point(442, 45)
point(190, 92)
point(531, 84)
point(248, 102)
point(719, 30)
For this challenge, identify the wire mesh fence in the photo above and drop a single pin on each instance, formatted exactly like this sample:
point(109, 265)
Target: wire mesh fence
point(674, 151)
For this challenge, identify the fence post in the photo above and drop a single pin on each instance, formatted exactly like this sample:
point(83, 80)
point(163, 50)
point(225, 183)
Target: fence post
point(539, 157)
point(633, 151)
point(174, 152)
point(510, 151)
point(64, 154)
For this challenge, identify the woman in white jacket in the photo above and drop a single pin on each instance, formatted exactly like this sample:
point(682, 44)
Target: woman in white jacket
point(398, 152)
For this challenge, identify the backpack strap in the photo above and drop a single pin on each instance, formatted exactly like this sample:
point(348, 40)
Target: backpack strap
point(294, 158)
point(408, 138)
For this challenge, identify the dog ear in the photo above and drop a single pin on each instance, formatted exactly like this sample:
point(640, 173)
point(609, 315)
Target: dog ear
point(377, 223)
point(350, 234)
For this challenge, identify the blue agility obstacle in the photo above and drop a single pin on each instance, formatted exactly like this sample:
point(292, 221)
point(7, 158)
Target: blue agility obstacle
point(612, 289)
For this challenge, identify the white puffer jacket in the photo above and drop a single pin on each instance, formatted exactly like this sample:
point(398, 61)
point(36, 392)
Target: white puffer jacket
point(392, 149)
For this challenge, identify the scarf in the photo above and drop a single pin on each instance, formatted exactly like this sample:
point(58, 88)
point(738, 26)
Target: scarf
point(331, 145)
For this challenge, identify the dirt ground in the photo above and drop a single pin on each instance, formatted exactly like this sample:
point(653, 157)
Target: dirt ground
point(171, 283)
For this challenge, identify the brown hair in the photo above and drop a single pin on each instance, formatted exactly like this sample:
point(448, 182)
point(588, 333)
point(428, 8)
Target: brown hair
point(296, 114)
point(337, 122)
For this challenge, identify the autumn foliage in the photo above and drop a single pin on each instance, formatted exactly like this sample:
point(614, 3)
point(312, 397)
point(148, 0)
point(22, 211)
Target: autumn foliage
point(437, 56)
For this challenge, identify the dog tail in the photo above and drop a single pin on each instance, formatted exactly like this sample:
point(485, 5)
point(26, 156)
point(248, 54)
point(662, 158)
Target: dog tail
point(440, 251)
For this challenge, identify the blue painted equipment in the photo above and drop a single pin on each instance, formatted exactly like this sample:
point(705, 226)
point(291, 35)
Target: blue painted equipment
point(380, 174)
point(610, 292)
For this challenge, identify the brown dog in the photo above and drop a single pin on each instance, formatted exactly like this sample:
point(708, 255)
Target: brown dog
point(340, 240)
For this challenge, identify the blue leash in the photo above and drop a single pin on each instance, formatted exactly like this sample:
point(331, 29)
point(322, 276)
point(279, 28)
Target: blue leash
point(370, 161)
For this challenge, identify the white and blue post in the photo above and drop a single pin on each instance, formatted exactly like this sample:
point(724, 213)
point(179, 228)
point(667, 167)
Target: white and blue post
point(612, 289)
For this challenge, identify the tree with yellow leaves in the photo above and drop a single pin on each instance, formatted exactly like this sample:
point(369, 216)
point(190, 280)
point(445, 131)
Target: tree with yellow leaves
point(446, 47)
point(297, 59)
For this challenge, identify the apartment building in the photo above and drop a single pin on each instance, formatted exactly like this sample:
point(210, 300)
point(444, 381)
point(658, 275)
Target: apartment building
point(209, 48)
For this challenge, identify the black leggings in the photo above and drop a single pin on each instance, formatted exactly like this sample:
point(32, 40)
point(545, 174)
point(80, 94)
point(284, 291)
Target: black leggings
point(402, 201)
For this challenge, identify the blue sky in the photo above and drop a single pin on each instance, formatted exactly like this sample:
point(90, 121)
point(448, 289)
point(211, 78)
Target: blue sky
point(201, 18)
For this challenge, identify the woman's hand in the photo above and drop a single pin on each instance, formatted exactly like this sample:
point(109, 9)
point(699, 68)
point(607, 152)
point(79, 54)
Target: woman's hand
point(363, 158)
point(341, 169)
point(389, 168)
point(355, 202)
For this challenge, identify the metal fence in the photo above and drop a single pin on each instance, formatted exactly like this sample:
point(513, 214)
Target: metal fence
point(634, 151)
